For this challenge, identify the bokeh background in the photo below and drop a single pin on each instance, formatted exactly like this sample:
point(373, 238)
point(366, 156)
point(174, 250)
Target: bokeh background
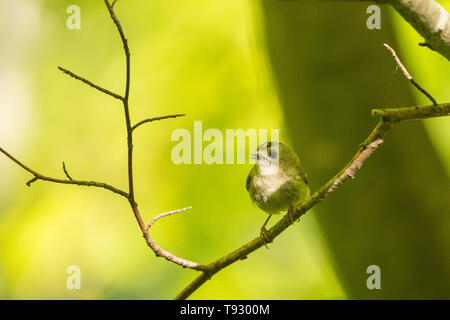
point(311, 69)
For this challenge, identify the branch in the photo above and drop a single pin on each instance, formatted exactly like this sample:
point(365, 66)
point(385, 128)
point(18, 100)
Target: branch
point(356, 164)
point(156, 119)
point(131, 198)
point(89, 83)
point(66, 172)
point(413, 113)
point(160, 252)
point(429, 19)
point(389, 117)
point(38, 176)
point(125, 46)
point(373, 141)
point(165, 214)
point(126, 107)
point(408, 76)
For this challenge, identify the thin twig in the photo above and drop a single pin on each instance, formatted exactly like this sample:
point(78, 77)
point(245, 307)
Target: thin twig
point(38, 176)
point(89, 83)
point(31, 181)
point(408, 76)
point(165, 214)
point(160, 252)
point(125, 46)
point(127, 115)
point(156, 119)
point(66, 172)
point(126, 107)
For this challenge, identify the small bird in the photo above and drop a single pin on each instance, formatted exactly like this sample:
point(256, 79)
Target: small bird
point(277, 182)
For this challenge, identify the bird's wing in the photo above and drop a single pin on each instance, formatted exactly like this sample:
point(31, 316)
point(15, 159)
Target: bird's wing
point(302, 175)
point(249, 180)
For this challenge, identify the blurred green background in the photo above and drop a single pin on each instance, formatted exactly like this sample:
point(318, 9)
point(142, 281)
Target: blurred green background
point(311, 69)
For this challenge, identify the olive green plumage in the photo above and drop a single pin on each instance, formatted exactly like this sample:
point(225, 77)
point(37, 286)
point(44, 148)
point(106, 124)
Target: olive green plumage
point(277, 181)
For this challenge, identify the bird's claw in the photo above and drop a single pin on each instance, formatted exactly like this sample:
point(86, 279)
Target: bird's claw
point(290, 214)
point(264, 237)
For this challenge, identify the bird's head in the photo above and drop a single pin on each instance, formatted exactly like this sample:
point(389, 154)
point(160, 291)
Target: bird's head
point(268, 156)
point(272, 156)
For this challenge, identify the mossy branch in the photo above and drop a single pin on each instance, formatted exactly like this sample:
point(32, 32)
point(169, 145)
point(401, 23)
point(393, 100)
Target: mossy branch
point(413, 113)
point(365, 150)
point(375, 138)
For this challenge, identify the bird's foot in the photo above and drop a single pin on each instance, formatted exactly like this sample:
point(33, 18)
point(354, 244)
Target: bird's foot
point(264, 237)
point(291, 214)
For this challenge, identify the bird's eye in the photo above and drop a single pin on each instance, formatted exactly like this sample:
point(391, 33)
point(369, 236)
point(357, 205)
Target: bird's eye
point(273, 154)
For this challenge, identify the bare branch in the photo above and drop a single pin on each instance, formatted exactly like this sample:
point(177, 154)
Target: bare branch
point(66, 172)
point(31, 181)
point(125, 46)
point(165, 214)
point(38, 176)
point(89, 83)
point(408, 76)
point(126, 106)
point(156, 119)
point(160, 252)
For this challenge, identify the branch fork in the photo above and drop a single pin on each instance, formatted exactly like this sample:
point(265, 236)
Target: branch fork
point(129, 195)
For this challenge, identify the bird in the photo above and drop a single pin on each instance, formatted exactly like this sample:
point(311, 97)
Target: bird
point(277, 181)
